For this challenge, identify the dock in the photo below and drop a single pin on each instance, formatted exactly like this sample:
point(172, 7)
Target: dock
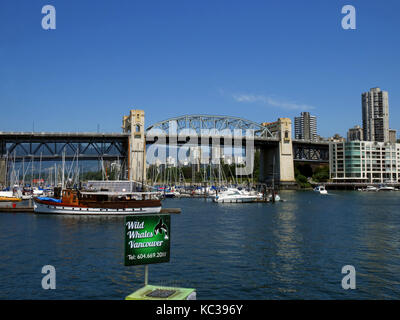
point(171, 210)
point(16, 209)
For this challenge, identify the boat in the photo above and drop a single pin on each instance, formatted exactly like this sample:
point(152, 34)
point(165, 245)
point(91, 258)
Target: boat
point(386, 188)
point(234, 195)
point(83, 202)
point(26, 196)
point(9, 196)
point(171, 193)
point(370, 188)
point(271, 199)
point(320, 190)
point(37, 192)
point(209, 191)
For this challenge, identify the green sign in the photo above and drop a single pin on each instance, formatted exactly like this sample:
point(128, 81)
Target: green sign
point(147, 239)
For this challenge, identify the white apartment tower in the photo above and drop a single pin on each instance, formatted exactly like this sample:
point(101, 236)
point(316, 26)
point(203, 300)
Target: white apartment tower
point(305, 127)
point(375, 115)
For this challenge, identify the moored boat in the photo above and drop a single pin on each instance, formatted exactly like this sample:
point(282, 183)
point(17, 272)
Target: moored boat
point(99, 203)
point(370, 188)
point(234, 195)
point(386, 188)
point(9, 196)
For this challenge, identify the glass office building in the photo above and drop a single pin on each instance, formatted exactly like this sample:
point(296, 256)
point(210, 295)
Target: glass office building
point(364, 161)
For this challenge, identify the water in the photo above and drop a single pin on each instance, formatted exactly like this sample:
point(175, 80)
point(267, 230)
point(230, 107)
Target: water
point(288, 250)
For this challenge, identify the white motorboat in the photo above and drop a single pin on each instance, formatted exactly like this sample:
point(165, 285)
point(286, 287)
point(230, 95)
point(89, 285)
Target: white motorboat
point(277, 198)
point(37, 192)
point(370, 188)
point(172, 194)
point(320, 189)
point(386, 188)
point(234, 195)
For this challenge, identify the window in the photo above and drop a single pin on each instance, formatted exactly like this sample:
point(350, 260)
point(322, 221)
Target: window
point(137, 128)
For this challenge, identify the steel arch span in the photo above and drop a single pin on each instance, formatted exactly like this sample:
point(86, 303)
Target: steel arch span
point(210, 122)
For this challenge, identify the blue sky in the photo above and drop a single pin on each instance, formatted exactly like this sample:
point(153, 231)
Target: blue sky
point(254, 59)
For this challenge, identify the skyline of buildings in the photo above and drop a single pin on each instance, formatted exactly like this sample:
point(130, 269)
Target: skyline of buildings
point(375, 122)
point(375, 118)
point(371, 154)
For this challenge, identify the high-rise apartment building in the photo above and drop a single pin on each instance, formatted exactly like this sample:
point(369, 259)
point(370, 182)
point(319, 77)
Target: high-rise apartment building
point(305, 127)
point(375, 115)
point(364, 161)
point(355, 134)
point(392, 135)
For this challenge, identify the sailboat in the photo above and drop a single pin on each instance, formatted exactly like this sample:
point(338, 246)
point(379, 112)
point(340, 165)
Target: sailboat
point(13, 193)
point(274, 196)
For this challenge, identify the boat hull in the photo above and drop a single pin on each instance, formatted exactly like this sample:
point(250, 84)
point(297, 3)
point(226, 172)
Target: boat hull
point(10, 199)
point(74, 210)
point(234, 200)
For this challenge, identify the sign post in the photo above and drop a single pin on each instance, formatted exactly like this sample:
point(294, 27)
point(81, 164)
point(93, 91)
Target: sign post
point(147, 241)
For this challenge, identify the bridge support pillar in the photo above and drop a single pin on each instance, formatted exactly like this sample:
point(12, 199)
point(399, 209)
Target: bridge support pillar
point(277, 162)
point(134, 124)
point(3, 172)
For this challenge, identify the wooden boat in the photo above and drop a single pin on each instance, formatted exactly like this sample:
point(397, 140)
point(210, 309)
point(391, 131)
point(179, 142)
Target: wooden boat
point(99, 203)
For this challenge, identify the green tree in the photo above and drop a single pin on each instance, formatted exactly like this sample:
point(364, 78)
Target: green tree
point(321, 174)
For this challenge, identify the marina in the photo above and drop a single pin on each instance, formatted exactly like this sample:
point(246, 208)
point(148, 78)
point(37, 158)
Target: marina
point(208, 150)
point(287, 250)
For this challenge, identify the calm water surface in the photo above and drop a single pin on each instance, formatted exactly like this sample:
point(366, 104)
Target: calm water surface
point(288, 250)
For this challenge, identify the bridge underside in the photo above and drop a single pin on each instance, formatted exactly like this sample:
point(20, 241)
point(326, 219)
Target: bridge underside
point(47, 147)
point(304, 152)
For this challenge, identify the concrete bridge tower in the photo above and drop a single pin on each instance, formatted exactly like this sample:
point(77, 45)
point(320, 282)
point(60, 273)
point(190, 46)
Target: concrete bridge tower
point(3, 172)
point(277, 162)
point(134, 124)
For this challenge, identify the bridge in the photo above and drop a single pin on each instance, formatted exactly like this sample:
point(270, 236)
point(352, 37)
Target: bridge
point(278, 150)
point(274, 141)
point(53, 146)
